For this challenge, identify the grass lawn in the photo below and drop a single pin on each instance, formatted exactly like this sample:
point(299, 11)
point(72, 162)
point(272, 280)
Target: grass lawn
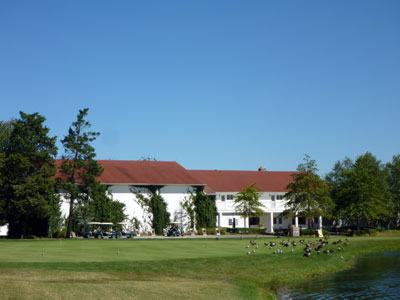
point(165, 269)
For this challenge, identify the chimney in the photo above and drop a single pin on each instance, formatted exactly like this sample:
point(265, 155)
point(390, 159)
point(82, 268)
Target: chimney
point(262, 169)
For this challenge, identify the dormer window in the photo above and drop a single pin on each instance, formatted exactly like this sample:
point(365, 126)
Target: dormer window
point(222, 197)
point(229, 197)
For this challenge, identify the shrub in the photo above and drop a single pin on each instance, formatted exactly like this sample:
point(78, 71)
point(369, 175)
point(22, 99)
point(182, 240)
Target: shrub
point(326, 232)
point(308, 232)
point(222, 230)
point(246, 230)
point(211, 231)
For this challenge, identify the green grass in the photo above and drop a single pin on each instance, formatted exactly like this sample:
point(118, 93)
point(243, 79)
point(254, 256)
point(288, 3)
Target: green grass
point(164, 269)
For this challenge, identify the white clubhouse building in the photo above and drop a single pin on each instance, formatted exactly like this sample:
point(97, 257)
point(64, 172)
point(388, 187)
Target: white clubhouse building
point(175, 183)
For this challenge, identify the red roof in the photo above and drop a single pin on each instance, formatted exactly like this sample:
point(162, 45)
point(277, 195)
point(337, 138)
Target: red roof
point(235, 181)
point(144, 172)
point(170, 172)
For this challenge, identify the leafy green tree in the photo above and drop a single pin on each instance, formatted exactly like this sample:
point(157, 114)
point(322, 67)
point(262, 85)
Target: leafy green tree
point(393, 169)
point(360, 190)
point(5, 131)
point(79, 169)
point(189, 211)
point(154, 206)
point(204, 208)
point(308, 195)
point(247, 203)
point(27, 192)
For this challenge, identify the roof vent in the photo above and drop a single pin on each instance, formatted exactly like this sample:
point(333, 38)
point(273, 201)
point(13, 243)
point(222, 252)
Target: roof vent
point(262, 169)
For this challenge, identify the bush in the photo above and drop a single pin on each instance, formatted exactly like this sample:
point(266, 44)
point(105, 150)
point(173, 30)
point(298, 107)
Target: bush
point(246, 230)
point(314, 232)
point(222, 230)
point(308, 232)
point(211, 231)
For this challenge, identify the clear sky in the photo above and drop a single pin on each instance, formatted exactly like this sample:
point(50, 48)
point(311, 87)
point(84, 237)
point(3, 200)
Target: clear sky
point(210, 84)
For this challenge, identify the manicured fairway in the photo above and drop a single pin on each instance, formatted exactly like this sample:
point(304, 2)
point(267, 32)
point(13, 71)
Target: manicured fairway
point(164, 269)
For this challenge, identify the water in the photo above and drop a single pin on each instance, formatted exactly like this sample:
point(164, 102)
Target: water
point(375, 276)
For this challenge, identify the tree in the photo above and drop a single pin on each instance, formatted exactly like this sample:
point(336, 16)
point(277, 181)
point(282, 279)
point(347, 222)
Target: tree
point(27, 193)
point(5, 131)
point(393, 169)
point(189, 210)
point(247, 203)
point(79, 169)
point(308, 195)
point(204, 208)
point(360, 190)
point(100, 207)
point(153, 205)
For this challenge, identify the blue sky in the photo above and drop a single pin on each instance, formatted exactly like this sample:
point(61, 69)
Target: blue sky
point(210, 84)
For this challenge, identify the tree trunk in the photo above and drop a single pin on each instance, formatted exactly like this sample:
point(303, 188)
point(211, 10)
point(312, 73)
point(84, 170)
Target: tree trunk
point(69, 228)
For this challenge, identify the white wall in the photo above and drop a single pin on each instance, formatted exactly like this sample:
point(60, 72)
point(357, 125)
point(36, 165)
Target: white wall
point(172, 194)
point(3, 230)
point(226, 209)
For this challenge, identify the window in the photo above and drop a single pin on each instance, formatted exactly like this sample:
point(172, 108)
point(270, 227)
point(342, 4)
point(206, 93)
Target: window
point(274, 220)
point(230, 221)
point(273, 197)
point(280, 220)
point(229, 197)
point(222, 197)
point(254, 221)
point(279, 197)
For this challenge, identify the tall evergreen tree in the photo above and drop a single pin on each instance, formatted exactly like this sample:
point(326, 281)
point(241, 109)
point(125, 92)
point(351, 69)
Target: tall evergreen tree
point(79, 168)
point(28, 191)
point(205, 208)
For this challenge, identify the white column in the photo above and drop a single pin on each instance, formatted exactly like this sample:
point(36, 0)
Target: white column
point(296, 221)
point(271, 214)
point(320, 222)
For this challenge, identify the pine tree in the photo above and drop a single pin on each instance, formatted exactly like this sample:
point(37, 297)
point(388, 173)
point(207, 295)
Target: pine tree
point(79, 168)
point(28, 191)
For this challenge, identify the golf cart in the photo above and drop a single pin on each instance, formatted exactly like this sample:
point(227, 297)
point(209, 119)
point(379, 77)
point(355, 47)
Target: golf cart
point(176, 229)
point(98, 232)
point(127, 229)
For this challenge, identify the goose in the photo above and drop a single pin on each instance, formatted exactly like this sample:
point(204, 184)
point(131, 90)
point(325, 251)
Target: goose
point(307, 254)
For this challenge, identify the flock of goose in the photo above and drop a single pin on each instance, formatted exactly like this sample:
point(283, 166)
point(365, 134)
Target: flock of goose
point(317, 246)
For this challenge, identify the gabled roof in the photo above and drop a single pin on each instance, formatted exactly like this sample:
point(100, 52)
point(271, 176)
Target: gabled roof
point(235, 181)
point(144, 172)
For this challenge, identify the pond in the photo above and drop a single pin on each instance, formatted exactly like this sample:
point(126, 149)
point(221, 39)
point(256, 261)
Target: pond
point(375, 276)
